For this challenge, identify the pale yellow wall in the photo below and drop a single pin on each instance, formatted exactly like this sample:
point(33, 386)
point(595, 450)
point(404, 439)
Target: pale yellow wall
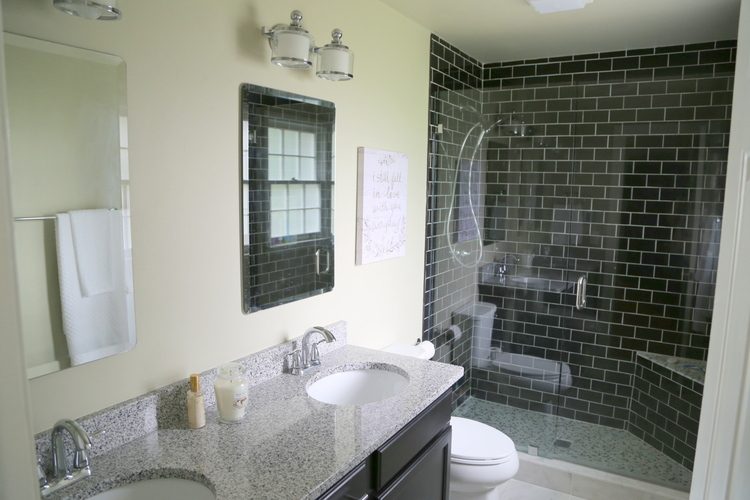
point(186, 60)
point(17, 478)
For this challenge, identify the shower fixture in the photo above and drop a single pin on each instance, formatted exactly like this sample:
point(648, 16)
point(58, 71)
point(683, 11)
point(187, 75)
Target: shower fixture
point(98, 10)
point(292, 46)
point(459, 254)
point(514, 127)
point(519, 128)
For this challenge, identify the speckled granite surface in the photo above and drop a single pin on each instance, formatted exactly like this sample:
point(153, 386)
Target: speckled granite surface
point(694, 369)
point(289, 446)
point(164, 408)
point(597, 446)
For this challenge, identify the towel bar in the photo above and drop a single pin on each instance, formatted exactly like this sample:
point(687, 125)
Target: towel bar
point(41, 217)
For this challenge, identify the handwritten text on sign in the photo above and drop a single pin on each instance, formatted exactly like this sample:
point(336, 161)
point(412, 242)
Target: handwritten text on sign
point(381, 205)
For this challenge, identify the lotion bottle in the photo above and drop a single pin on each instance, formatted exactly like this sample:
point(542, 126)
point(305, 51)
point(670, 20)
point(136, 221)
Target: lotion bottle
point(196, 408)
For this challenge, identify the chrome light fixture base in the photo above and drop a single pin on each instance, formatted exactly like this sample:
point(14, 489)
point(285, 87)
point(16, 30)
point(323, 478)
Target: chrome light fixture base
point(98, 10)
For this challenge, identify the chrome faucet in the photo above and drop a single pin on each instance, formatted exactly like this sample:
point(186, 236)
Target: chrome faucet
point(504, 268)
point(82, 445)
point(62, 473)
point(310, 353)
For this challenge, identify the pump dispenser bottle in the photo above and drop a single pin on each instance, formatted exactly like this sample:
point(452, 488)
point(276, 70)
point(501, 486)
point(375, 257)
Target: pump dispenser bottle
point(195, 406)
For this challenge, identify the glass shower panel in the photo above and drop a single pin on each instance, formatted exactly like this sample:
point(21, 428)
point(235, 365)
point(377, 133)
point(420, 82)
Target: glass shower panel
point(526, 276)
point(450, 279)
point(642, 222)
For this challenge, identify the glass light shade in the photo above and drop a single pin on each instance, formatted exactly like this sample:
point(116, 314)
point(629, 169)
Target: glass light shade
point(335, 60)
point(291, 48)
point(100, 10)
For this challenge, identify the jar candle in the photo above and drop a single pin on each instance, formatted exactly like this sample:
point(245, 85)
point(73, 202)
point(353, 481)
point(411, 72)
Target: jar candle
point(231, 392)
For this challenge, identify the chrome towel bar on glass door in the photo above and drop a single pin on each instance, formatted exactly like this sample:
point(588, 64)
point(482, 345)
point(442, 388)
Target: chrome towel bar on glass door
point(581, 293)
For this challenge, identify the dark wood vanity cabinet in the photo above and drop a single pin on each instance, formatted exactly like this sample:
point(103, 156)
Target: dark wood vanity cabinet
point(426, 476)
point(413, 464)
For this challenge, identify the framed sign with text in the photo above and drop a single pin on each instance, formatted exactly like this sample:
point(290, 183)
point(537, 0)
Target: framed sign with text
point(381, 205)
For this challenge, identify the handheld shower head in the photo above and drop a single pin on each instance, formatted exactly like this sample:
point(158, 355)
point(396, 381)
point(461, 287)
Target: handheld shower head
point(494, 124)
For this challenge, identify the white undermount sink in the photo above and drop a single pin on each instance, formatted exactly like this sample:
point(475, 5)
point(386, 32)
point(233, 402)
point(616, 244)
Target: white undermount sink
point(358, 386)
point(163, 489)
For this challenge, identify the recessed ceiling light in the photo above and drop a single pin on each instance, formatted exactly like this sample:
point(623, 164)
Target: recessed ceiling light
point(551, 6)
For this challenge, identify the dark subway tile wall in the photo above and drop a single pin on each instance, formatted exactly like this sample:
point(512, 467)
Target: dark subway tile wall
point(619, 176)
point(665, 410)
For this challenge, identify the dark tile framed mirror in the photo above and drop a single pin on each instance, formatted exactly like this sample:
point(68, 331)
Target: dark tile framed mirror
point(287, 184)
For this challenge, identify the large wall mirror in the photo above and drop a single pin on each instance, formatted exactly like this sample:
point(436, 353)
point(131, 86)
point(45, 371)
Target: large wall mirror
point(70, 188)
point(287, 197)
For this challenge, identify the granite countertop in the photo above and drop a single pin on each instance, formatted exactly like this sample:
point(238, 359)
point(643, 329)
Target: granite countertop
point(694, 369)
point(289, 446)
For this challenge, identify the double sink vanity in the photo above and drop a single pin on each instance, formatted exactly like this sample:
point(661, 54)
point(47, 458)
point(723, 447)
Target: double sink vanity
point(383, 433)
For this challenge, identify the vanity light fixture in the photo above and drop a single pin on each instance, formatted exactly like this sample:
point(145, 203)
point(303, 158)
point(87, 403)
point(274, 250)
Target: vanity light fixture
point(98, 10)
point(292, 46)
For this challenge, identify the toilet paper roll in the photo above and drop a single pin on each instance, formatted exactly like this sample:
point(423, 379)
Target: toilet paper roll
point(454, 332)
point(423, 350)
point(427, 348)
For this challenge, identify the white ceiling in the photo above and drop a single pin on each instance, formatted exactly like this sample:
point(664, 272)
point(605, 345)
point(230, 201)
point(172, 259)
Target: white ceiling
point(507, 30)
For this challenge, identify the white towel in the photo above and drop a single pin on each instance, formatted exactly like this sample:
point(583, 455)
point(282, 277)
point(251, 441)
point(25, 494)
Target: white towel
point(97, 325)
point(97, 239)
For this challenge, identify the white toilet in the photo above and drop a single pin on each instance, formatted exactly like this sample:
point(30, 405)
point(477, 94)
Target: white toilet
point(482, 460)
point(482, 457)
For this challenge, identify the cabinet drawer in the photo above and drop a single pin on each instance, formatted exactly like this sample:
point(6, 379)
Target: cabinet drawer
point(357, 485)
point(401, 449)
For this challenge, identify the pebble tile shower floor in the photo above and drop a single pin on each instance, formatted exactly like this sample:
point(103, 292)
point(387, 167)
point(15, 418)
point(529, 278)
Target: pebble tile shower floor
point(597, 446)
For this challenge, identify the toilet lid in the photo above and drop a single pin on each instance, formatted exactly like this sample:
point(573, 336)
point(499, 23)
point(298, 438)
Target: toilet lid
point(475, 442)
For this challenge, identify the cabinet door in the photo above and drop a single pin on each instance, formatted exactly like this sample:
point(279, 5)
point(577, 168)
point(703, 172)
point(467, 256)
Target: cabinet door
point(427, 476)
point(408, 443)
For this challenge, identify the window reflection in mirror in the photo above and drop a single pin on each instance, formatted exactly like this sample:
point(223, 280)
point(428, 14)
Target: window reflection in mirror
point(287, 197)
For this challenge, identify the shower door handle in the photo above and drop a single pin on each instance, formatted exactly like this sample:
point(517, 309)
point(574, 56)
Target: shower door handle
point(581, 293)
point(317, 262)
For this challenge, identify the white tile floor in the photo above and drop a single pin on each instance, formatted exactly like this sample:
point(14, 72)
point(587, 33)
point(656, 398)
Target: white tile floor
point(519, 490)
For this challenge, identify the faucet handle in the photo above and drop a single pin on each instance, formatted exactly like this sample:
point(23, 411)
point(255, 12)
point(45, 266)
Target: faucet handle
point(295, 363)
point(315, 353)
point(40, 475)
point(81, 459)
